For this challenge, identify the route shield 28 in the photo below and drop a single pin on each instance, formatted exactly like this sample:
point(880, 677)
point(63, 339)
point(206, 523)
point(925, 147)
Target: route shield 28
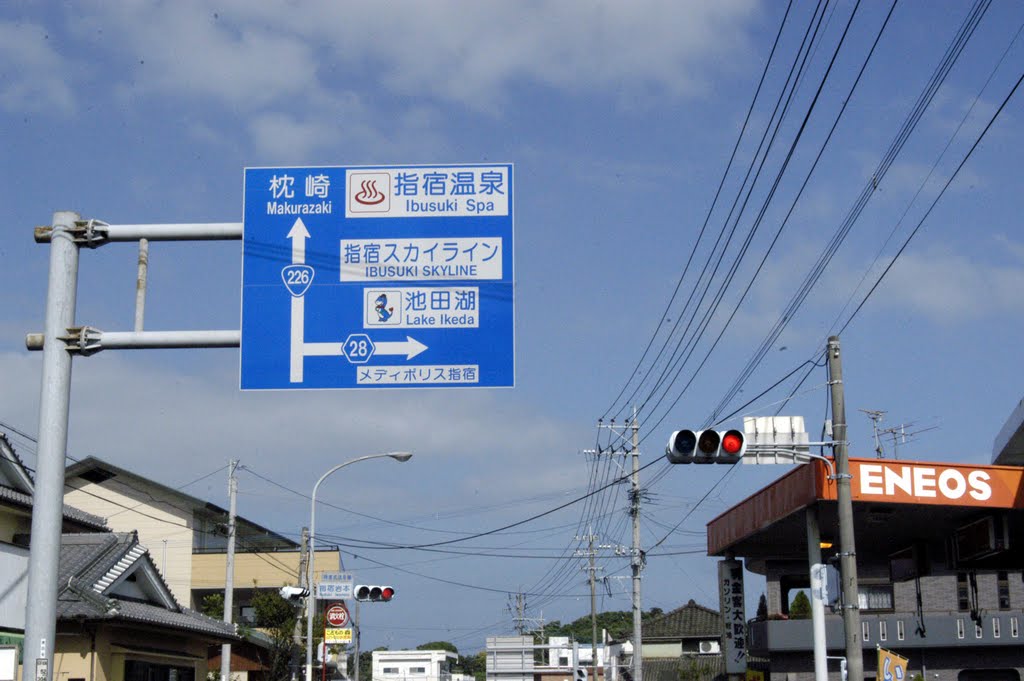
point(377, 277)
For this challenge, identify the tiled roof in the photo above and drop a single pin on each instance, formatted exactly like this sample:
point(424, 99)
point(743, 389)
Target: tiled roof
point(70, 512)
point(696, 667)
point(90, 563)
point(690, 621)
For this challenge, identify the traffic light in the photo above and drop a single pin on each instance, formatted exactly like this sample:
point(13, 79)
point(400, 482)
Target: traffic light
point(291, 593)
point(374, 593)
point(706, 446)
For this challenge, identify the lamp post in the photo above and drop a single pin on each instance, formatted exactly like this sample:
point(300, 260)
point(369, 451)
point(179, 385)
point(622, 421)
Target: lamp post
point(311, 598)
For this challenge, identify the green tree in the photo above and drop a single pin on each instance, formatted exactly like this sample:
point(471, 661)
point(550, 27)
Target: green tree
point(213, 606)
point(800, 608)
point(276, 617)
point(762, 608)
point(475, 665)
point(439, 645)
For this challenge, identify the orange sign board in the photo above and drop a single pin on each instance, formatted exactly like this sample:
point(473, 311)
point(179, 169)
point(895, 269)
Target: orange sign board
point(916, 482)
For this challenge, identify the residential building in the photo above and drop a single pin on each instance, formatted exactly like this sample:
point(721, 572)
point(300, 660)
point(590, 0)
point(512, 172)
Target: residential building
point(117, 619)
point(413, 665)
point(187, 535)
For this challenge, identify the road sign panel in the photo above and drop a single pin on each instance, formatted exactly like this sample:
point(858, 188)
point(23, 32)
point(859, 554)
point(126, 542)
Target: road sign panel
point(337, 615)
point(334, 586)
point(333, 636)
point(377, 277)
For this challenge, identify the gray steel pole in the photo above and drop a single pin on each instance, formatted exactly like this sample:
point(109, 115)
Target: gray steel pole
point(637, 558)
point(310, 583)
point(848, 551)
point(48, 497)
point(229, 582)
point(817, 605)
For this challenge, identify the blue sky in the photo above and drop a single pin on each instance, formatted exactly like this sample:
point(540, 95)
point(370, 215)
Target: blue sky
point(619, 119)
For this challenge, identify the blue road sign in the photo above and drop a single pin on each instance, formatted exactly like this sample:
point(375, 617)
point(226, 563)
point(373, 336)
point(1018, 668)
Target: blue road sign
point(377, 277)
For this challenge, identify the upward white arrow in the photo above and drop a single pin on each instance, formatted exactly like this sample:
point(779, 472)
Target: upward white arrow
point(298, 234)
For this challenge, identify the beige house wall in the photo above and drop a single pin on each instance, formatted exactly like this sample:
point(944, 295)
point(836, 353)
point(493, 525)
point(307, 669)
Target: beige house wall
point(77, 658)
point(164, 529)
point(272, 569)
point(668, 650)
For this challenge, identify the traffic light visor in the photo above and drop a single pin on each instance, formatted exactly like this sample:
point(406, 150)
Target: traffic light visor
point(681, 446)
point(375, 593)
point(708, 443)
point(362, 592)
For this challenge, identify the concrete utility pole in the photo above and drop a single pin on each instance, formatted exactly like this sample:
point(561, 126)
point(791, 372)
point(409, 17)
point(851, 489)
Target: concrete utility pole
point(592, 569)
point(355, 638)
point(636, 554)
point(297, 631)
point(848, 551)
point(229, 582)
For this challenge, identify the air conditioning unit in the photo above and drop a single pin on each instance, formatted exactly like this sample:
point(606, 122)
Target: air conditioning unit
point(709, 647)
point(981, 539)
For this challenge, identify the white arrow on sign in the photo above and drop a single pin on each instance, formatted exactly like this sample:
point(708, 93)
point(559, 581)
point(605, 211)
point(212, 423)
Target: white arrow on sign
point(410, 347)
point(298, 234)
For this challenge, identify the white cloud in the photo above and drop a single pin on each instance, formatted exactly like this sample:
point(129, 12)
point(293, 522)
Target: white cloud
point(34, 74)
point(951, 288)
point(251, 53)
point(159, 419)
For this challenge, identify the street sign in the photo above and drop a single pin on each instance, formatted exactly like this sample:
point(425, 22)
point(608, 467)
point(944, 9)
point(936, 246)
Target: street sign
point(337, 615)
point(334, 636)
point(334, 586)
point(377, 277)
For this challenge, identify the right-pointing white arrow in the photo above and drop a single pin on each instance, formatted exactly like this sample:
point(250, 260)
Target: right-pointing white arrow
point(410, 347)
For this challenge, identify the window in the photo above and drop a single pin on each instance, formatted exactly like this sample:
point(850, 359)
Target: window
point(901, 632)
point(995, 627)
point(1013, 627)
point(963, 600)
point(418, 670)
point(865, 630)
point(563, 661)
point(960, 633)
point(875, 597)
point(883, 630)
point(1003, 588)
point(390, 671)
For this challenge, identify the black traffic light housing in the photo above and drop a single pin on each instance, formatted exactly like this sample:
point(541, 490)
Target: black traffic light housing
point(374, 593)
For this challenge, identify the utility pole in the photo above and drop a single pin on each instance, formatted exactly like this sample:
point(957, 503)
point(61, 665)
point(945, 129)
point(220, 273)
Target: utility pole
point(637, 557)
point(297, 631)
point(848, 551)
point(592, 569)
point(636, 553)
point(355, 638)
point(229, 581)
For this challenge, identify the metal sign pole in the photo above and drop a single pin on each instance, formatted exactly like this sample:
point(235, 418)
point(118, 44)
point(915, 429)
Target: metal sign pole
point(48, 493)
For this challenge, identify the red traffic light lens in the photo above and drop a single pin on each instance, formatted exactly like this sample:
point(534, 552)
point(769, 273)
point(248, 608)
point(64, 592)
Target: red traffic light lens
point(387, 593)
point(732, 443)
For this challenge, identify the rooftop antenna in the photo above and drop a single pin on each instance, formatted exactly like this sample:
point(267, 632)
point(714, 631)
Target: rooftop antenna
point(876, 417)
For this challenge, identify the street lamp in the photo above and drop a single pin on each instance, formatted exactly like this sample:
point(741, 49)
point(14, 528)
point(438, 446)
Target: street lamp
point(311, 598)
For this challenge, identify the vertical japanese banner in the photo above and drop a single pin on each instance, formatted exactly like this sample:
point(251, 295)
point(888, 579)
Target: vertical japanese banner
point(734, 619)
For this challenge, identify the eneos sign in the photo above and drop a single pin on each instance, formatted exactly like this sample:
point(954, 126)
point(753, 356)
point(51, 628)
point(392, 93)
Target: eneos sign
point(929, 483)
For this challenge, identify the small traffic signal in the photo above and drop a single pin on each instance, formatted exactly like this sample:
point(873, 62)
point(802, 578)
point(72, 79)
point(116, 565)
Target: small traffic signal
point(291, 593)
point(579, 674)
point(374, 593)
point(706, 446)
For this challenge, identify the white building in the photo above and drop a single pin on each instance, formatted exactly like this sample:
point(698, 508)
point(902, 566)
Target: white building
point(413, 665)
